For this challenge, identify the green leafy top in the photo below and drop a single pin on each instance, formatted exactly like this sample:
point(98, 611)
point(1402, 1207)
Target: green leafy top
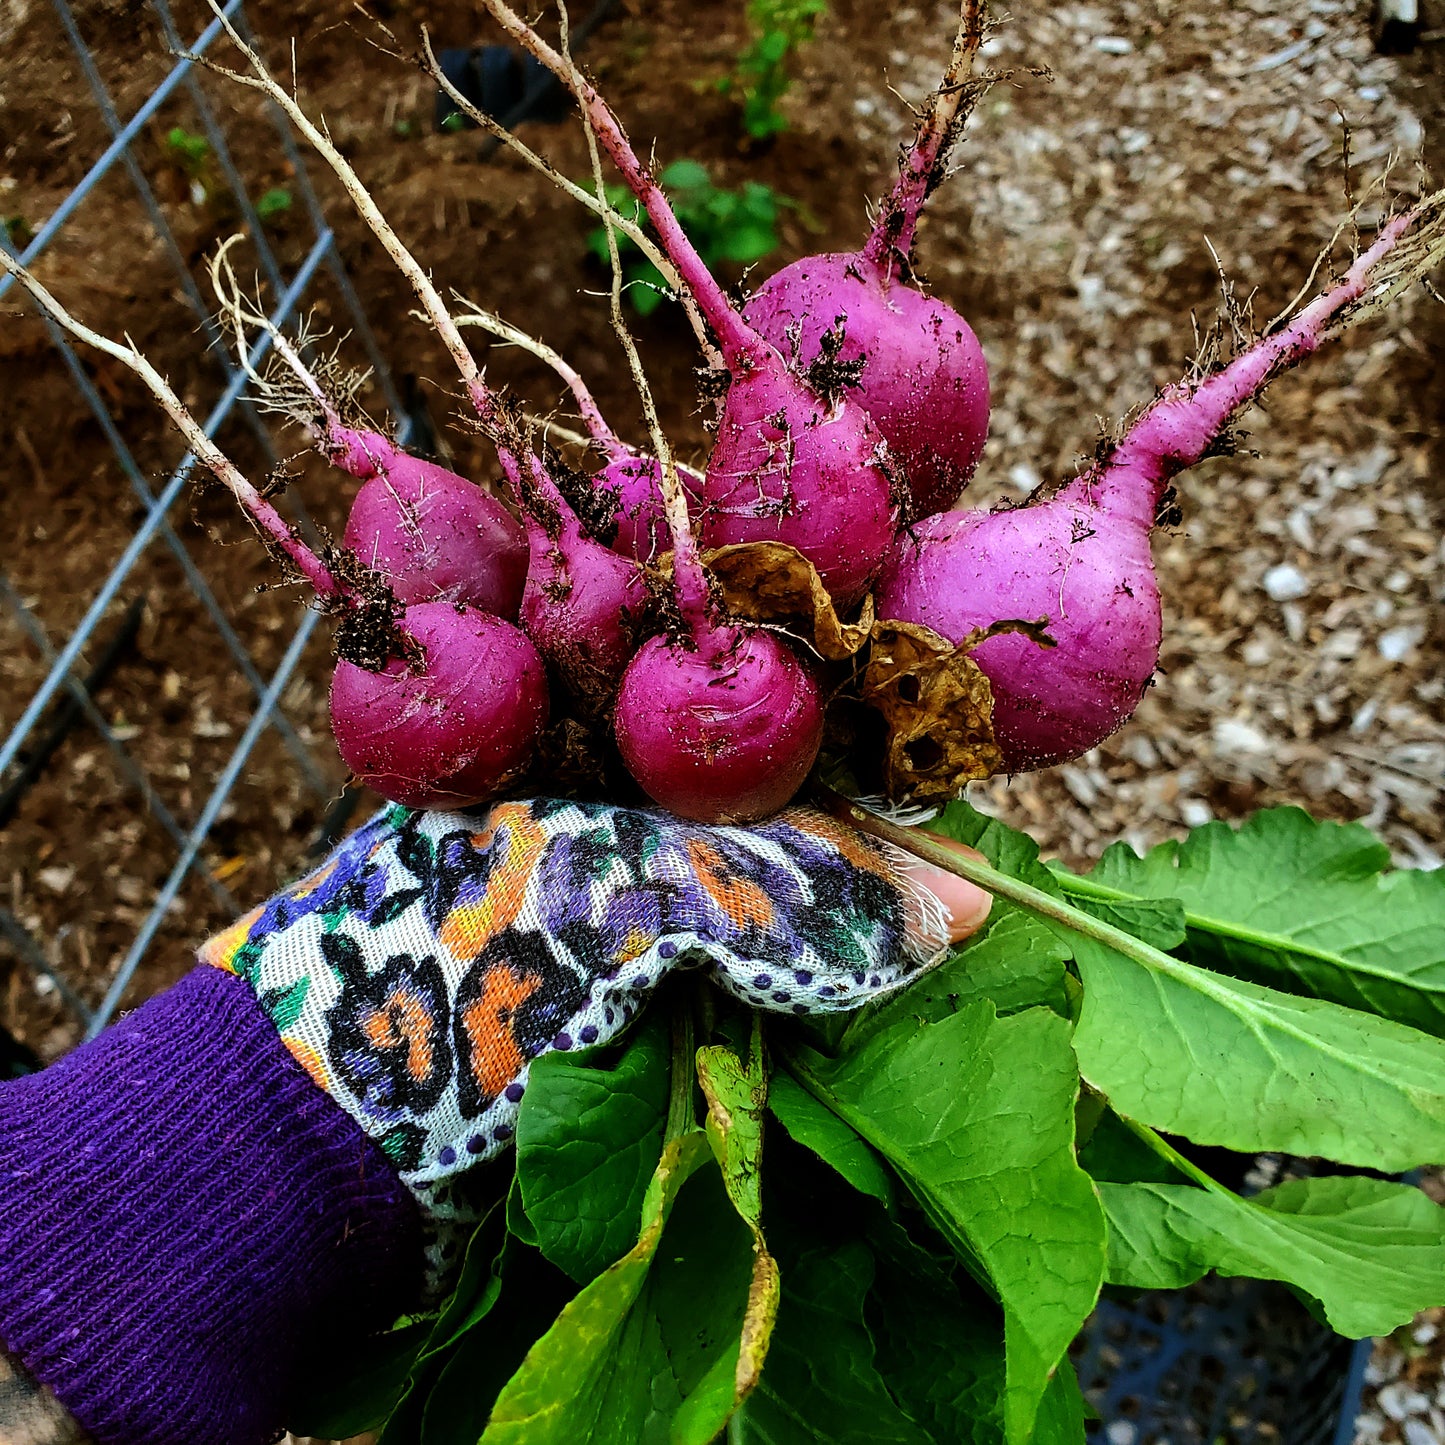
point(1312, 906)
point(892, 1231)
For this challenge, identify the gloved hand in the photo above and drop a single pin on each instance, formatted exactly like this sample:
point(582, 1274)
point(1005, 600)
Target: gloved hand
point(184, 1212)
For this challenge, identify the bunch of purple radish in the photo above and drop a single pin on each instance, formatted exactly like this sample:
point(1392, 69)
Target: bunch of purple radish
point(852, 410)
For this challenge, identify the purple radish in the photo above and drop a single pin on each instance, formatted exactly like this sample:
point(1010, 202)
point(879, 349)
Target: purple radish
point(434, 535)
point(451, 726)
point(640, 517)
point(1080, 560)
point(722, 729)
point(788, 467)
point(923, 377)
point(451, 702)
point(640, 520)
point(959, 570)
point(718, 723)
point(584, 605)
point(818, 478)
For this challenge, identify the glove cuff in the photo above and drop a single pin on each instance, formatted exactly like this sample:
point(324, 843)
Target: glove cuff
point(184, 1217)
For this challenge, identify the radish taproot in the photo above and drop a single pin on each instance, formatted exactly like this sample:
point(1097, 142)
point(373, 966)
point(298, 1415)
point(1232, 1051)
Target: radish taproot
point(1080, 560)
point(912, 362)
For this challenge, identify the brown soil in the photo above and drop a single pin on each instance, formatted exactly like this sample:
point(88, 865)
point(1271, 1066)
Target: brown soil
point(1073, 240)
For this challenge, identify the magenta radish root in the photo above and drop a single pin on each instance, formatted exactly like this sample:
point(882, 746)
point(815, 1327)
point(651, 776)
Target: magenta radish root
point(448, 726)
point(723, 729)
point(1080, 561)
point(910, 361)
point(432, 534)
point(585, 645)
point(717, 722)
point(435, 536)
point(702, 641)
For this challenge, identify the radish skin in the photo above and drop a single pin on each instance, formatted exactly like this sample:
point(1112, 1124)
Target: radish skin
point(1081, 561)
point(722, 732)
point(924, 380)
point(454, 727)
point(435, 536)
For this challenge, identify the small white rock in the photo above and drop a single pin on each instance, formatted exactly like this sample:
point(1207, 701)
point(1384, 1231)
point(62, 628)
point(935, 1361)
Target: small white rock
point(1114, 44)
point(1400, 1402)
point(1024, 477)
point(1417, 1432)
point(1231, 735)
point(57, 880)
point(1364, 716)
point(1140, 751)
point(1285, 583)
point(1257, 652)
point(1399, 642)
point(1425, 1331)
point(1080, 786)
point(1195, 812)
point(1121, 1432)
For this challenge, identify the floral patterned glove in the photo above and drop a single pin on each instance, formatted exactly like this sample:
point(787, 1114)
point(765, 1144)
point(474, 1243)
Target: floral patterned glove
point(419, 971)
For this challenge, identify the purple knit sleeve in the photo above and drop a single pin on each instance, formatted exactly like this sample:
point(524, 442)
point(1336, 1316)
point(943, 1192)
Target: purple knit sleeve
point(185, 1218)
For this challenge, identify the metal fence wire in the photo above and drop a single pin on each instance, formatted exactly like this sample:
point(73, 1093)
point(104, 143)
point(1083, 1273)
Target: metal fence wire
point(65, 695)
point(1210, 1364)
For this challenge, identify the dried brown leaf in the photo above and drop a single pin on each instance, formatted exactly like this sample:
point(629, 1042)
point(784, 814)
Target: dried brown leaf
point(938, 706)
point(772, 582)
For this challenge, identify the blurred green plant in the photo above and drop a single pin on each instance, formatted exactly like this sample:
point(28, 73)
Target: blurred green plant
point(738, 226)
point(760, 77)
point(273, 204)
point(190, 150)
point(20, 231)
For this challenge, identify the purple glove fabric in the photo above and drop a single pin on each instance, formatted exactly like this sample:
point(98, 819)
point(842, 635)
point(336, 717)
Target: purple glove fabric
point(183, 1215)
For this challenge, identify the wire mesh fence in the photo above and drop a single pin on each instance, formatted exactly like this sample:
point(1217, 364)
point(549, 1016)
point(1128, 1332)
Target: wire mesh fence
point(70, 665)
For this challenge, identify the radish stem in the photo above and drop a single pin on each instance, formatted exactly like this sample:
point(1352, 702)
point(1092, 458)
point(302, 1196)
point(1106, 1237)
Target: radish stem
point(689, 579)
point(634, 232)
point(897, 221)
point(267, 520)
point(587, 407)
point(1178, 427)
point(740, 343)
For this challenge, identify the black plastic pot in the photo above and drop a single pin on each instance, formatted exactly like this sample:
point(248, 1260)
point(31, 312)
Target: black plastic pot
point(1227, 1360)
